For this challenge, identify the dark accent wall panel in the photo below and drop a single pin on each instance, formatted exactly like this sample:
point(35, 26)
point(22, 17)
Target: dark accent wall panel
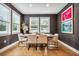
point(70, 39)
point(53, 20)
point(53, 24)
point(76, 25)
point(7, 40)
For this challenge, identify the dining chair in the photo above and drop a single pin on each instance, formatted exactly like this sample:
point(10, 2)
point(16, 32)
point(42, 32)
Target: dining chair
point(42, 41)
point(54, 42)
point(22, 40)
point(31, 41)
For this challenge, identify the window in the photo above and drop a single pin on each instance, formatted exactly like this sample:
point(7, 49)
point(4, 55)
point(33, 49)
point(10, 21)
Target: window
point(45, 24)
point(15, 22)
point(41, 24)
point(5, 19)
point(34, 24)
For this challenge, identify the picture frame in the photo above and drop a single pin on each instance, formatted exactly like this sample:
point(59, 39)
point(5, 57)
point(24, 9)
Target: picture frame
point(67, 20)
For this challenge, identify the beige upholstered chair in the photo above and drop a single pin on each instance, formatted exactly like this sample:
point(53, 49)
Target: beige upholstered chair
point(42, 41)
point(31, 41)
point(54, 42)
point(22, 40)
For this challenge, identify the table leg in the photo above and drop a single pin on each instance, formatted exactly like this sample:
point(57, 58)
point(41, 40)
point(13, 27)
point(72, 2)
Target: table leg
point(36, 46)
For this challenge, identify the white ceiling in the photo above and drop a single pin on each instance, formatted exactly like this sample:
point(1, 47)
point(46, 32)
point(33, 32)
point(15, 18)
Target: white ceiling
point(39, 8)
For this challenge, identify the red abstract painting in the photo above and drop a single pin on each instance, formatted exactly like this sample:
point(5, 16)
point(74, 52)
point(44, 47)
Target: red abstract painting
point(67, 14)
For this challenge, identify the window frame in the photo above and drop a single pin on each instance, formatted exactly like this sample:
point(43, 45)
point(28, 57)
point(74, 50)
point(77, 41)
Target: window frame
point(30, 31)
point(39, 27)
point(48, 25)
point(8, 31)
point(18, 30)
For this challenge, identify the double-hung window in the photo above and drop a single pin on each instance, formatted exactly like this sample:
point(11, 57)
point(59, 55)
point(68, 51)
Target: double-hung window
point(39, 24)
point(5, 20)
point(45, 24)
point(15, 22)
point(34, 24)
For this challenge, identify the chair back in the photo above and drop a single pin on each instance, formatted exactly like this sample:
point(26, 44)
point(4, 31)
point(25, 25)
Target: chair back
point(42, 39)
point(56, 34)
point(32, 38)
point(55, 38)
point(20, 36)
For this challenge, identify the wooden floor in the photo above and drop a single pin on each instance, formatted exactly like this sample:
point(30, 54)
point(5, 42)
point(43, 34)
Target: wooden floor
point(23, 51)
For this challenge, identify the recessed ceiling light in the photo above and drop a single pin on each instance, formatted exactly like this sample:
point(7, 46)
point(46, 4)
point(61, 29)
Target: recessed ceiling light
point(47, 5)
point(30, 5)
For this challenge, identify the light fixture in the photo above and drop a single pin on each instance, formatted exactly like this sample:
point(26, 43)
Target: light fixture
point(30, 5)
point(47, 5)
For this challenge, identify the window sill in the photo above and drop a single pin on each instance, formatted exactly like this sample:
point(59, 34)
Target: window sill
point(4, 34)
point(15, 32)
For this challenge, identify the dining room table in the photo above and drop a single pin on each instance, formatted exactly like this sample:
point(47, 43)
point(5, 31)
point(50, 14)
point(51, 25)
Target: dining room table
point(38, 40)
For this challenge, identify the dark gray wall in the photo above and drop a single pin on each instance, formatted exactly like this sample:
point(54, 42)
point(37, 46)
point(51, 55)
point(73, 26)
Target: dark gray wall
point(53, 21)
point(70, 39)
point(76, 26)
point(9, 40)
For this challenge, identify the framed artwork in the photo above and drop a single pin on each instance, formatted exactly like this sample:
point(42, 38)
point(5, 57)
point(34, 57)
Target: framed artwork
point(67, 20)
point(67, 27)
point(67, 14)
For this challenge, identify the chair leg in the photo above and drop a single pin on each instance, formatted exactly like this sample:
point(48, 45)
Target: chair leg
point(57, 44)
point(29, 47)
point(36, 46)
point(19, 43)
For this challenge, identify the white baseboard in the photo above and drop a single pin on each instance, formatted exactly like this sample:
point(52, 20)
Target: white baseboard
point(69, 47)
point(9, 46)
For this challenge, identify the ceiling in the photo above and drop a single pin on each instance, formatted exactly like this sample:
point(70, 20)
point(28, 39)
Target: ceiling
point(39, 8)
